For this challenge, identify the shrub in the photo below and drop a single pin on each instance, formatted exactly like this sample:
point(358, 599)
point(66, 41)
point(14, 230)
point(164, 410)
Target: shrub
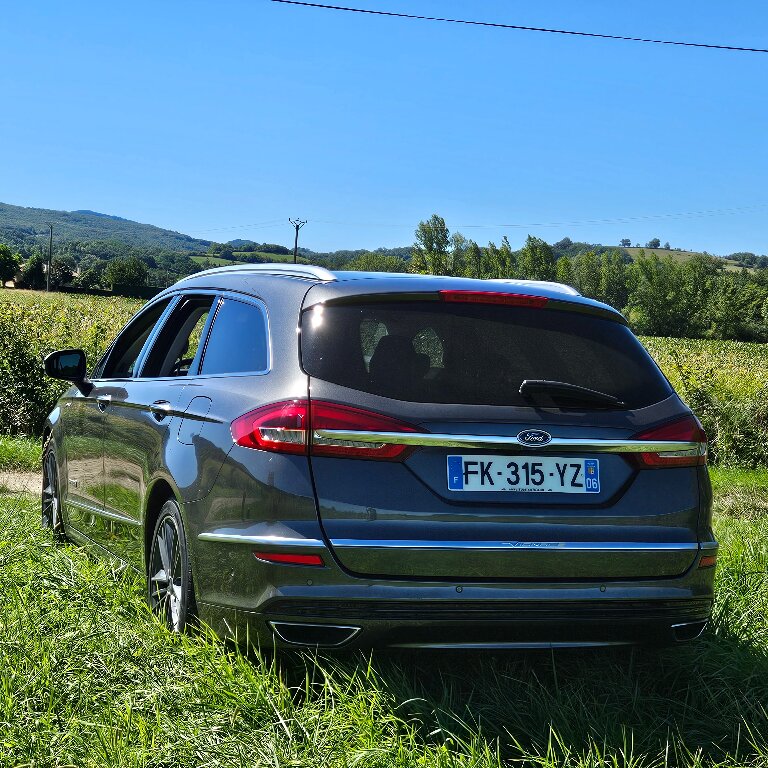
point(34, 324)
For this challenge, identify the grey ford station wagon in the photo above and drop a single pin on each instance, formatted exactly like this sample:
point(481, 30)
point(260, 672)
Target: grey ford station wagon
point(299, 457)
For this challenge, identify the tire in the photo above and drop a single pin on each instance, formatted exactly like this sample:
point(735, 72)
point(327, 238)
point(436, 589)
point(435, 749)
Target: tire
point(169, 576)
point(50, 508)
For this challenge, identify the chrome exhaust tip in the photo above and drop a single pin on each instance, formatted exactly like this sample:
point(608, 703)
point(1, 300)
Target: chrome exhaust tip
point(314, 635)
point(689, 631)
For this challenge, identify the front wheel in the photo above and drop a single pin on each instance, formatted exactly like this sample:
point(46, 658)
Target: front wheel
point(169, 576)
point(51, 500)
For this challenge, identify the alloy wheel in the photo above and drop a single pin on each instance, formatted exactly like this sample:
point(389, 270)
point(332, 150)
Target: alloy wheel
point(168, 581)
point(51, 504)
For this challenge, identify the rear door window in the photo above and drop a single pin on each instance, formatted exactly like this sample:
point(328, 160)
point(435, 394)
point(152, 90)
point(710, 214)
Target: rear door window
point(178, 347)
point(474, 354)
point(238, 340)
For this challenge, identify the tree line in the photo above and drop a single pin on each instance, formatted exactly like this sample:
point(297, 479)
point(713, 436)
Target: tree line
point(694, 297)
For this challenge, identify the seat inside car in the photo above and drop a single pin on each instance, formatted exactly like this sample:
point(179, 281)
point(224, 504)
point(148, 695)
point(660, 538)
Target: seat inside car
point(396, 366)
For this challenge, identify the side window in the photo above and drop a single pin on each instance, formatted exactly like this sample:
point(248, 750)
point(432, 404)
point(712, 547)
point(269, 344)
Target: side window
point(237, 342)
point(120, 362)
point(177, 349)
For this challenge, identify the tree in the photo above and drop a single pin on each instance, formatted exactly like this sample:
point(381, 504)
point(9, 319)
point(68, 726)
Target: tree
point(92, 274)
point(564, 271)
point(33, 271)
point(457, 258)
point(586, 274)
point(475, 266)
point(613, 280)
point(62, 270)
point(657, 305)
point(430, 251)
point(126, 271)
point(666, 246)
point(536, 261)
point(625, 242)
point(655, 243)
point(377, 262)
point(9, 264)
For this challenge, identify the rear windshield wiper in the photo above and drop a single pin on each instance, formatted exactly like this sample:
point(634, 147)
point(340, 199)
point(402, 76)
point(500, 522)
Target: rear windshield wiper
point(567, 394)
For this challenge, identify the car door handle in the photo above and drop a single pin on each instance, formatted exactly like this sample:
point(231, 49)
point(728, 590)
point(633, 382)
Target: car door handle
point(103, 401)
point(160, 409)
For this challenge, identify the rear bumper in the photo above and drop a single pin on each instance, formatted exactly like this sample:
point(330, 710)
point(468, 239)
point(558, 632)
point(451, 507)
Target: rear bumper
point(244, 598)
point(457, 624)
point(430, 615)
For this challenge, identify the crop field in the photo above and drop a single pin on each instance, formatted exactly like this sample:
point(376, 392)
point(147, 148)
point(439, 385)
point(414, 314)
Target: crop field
point(725, 382)
point(91, 679)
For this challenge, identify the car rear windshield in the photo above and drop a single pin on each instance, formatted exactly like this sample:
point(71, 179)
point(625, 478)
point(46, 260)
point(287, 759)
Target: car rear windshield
point(474, 354)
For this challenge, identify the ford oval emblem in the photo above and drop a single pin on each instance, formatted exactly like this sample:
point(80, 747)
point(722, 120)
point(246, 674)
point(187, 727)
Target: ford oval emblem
point(533, 437)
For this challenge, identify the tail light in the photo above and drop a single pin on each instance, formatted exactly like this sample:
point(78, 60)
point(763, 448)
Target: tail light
point(494, 297)
point(685, 430)
point(290, 427)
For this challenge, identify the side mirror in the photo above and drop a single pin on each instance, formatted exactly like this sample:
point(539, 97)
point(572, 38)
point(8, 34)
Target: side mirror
point(68, 365)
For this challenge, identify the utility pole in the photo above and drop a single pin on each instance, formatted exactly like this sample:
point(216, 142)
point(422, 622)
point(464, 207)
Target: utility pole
point(50, 256)
point(298, 223)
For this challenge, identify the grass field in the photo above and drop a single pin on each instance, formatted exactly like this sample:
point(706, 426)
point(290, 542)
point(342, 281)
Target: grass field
point(730, 265)
point(89, 678)
point(215, 260)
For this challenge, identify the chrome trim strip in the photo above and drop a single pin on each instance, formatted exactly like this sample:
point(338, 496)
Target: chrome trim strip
point(570, 546)
point(275, 624)
point(521, 645)
point(104, 513)
point(594, 445)
point(269, 541)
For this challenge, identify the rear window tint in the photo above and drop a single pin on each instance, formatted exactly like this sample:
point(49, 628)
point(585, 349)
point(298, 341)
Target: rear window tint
point(474, 354)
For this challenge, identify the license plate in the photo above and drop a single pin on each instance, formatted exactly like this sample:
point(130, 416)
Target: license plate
point(531, 474)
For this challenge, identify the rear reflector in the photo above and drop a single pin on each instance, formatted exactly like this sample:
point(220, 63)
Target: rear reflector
point(288, 558)
point(685, 430)
point(494, 297)
point(290, 427)
point(707, 561)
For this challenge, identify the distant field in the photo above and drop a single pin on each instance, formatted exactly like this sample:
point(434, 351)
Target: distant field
point(730, 265)
point(214, 260)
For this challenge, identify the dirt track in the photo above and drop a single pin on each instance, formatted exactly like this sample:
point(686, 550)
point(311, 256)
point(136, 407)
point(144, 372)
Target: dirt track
point(20, 482)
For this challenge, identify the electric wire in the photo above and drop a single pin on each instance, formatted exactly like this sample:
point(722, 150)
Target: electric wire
point(520, 27)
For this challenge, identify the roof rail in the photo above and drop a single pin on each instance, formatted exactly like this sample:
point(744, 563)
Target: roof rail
point(284, 270)
point(560, 287)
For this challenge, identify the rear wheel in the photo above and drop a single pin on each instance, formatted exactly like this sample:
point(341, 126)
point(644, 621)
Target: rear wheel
point(169, 576)
point(51, 500)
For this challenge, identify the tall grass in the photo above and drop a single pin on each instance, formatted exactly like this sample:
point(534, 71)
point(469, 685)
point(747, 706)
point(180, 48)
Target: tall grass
point(89, 678)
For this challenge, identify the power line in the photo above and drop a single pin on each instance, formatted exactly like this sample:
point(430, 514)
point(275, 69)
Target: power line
point(519, 27)
point(578, 222)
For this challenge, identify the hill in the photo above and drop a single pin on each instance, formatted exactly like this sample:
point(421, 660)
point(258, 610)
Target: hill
point(24, 227)
point(730, 264)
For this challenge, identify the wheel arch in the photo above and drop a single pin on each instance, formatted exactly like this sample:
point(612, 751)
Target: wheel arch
point(159, 492)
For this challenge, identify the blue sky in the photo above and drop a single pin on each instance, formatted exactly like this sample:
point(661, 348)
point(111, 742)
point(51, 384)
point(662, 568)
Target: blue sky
point(205, 117)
